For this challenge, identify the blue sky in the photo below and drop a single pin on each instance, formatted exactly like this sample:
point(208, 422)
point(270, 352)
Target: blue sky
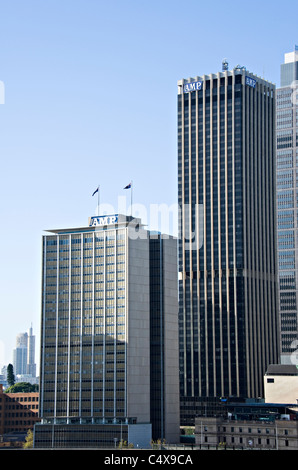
point(90, 98)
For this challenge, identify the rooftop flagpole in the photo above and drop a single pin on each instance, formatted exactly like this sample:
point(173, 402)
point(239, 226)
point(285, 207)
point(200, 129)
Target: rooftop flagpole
point(98, 200)
point(129, 186)
point(97, 191)
point(131, 198)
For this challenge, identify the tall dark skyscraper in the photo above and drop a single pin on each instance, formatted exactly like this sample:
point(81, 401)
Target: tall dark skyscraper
point(228, 311)
point(287, 202)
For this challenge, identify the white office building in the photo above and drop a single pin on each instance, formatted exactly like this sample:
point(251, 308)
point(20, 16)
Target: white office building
point(109, 336)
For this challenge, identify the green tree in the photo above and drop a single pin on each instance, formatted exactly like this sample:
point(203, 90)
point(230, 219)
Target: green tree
point(28, 444)
point(22, 387)
point(10, 375)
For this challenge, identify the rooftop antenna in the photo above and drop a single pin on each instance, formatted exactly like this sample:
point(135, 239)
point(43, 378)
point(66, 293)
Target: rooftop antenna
point(225, 65)
point(240, 67)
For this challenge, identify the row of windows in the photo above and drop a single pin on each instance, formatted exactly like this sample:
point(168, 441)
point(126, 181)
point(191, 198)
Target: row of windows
point(284, 159)
point(98, 238)
point(12, 423)
point(248, 442)
point(287, 280)
point(20, 414)
point(86, 255)
point(248, 430)
point(23, 399)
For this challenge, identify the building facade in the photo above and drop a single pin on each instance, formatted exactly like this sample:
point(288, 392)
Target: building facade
point(220, 432)
point(228, 312)
point(281, 384)
point(287, 204)
point(109, 342)
point(18, 413)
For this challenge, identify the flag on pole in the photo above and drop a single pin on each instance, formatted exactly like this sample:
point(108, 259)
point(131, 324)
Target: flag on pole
point(129, 186)
point(97, 191)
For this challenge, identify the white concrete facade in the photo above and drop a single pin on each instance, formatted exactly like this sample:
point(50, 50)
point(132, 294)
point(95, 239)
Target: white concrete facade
point(281, 384)
point(98, 285)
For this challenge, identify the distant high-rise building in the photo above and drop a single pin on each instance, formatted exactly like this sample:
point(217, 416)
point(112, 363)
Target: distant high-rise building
point(109, 339)
point(287, 204)
point(289, 69)
point(31, 366)
point(20, 354)
point(24, 354)
point(228, 309)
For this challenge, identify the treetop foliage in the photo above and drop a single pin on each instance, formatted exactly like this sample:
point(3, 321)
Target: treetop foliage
point(22, 387)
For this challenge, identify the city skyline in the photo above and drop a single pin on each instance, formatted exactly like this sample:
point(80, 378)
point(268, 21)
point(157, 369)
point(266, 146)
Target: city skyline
point(73, 78)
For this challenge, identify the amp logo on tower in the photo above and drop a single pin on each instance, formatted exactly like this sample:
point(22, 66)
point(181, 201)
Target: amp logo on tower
point(250, 82)
point(189, 87)
point(103, 220)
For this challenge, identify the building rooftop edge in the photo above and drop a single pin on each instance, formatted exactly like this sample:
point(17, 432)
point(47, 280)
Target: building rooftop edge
point(282, 369)
point(227, 73)
point(100, 222)
point(109, 222)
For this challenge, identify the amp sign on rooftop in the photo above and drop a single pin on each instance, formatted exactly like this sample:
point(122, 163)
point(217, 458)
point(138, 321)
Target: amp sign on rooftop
point(194, 86)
